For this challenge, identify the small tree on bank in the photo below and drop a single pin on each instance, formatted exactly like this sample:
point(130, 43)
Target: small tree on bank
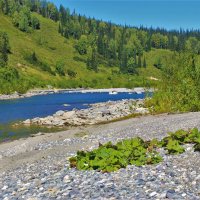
point(92, 62)
point(144, 63)
point(4, 49)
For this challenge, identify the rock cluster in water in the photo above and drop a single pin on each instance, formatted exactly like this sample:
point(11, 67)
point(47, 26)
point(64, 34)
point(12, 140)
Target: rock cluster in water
point(97, 113)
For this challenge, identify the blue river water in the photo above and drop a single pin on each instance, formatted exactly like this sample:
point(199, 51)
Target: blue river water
point(40, 106)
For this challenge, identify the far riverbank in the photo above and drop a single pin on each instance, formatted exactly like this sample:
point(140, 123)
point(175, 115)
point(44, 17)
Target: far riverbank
point(36, 92)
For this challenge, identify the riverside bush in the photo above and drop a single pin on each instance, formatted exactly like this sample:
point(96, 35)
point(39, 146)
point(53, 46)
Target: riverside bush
point(135, 151)
point(179, 89)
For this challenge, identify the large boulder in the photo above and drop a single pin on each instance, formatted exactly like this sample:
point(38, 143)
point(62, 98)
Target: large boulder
point(58, 122)
point(142, 110)
point(35, 120)
point(28, 121)
point(69, 114)
point(59, 113)
point(105, 113)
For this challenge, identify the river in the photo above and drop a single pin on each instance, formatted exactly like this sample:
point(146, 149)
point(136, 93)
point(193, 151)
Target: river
point(12, 111)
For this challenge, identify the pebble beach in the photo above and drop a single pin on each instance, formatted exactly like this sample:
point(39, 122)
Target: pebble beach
point(38, 168)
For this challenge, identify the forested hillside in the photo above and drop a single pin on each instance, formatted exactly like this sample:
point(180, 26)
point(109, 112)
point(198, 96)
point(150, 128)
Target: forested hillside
point(42, 45)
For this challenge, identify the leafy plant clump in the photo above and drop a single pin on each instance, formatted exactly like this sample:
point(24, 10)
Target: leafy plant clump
point(173, 142)
point(135, 151)
point(109, 157)
point(173, 147)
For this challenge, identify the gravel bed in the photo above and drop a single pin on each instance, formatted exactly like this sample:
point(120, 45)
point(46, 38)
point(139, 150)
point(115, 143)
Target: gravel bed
point(177, 177)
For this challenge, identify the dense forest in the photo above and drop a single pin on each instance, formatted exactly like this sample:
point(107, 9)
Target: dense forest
point(130, 50)
point(116, 45)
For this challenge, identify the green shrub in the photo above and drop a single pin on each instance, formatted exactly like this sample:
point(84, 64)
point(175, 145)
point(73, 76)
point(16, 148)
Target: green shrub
point(135, 151)
point(45, 67)
point(82, 45)
point(60, 68)
point(194, 136)
point(33, 59)
point(9, 74)
point(111, 157)
point(24, 20)
point(173, 147)
point(71, 73)
point(35, 23)
point(179, 90)
point(11, 81)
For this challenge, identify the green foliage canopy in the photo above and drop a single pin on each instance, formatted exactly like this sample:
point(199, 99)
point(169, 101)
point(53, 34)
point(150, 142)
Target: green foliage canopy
point(179, 89)
point(82, 45)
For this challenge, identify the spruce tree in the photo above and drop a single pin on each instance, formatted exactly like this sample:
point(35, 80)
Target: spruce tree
point(124, 62)
point(100, 46)
point(94, 63)
point(6, 7)
point(135, 57)
point(139, 61)
point(144, 63)
point(34, 57)
point(4, 49)
point(60, 29)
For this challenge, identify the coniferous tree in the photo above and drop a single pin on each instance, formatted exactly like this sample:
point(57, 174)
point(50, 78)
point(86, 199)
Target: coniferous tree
point(34, 57)
point(135, 57)
point(60, 68)
point(5, 7)
point(66, 33)
point(63, 15)
point(92, 62)
point(4, 49)
point(60, 29)
point(124, 62)
point(121, 44)
point(131, 67)
point(139, 61)
point(144, 63)
point(35, 23)
point(100, 46)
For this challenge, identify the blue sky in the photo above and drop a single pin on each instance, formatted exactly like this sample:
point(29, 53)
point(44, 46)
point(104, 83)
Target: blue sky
point(161, 13)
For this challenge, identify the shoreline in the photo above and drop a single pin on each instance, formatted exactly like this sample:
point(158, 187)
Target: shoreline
point(96, 113)
point(40, 165)
point(37, 92)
